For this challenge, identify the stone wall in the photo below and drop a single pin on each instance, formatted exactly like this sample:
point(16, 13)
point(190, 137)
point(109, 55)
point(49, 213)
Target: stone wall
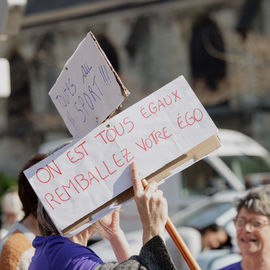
point(152, 49)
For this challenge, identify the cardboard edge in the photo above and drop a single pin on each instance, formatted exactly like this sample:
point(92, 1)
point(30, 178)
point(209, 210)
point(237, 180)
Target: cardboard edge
point(124, 90)
point(122, 197)
point(198, 152)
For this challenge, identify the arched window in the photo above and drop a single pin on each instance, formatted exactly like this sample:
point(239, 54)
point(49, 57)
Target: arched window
point(207, 52)
point(110, 51)
point(19, 102)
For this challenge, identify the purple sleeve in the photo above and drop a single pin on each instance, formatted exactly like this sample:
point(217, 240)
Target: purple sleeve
point(83, 263)
point(235, 266)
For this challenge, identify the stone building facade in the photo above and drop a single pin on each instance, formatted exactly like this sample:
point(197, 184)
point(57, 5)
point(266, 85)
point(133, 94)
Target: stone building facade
point(149, 45)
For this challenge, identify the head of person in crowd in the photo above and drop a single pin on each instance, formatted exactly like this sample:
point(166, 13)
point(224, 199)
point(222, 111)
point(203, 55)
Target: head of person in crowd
point(253, 224)
point(11, 210)
point(214, 237)
point(26, 193)
point(16, 247)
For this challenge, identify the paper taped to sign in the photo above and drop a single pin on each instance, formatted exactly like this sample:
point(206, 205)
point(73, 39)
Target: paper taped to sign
point(88, 89)
point(159, 133)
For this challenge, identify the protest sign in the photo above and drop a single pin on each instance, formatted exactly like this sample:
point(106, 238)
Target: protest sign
point(88, 89)
point(167, 129)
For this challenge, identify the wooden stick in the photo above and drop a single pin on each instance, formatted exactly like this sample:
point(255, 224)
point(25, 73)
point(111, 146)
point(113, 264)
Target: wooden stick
point(179, 242)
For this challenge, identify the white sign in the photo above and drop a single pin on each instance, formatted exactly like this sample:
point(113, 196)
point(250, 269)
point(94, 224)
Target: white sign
point(78, 179)
point(87, 90)
point(5, 78)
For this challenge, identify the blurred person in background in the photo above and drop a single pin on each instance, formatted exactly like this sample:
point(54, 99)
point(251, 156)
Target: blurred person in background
point(11, 211)
point(198, 240)
point(16, 248)
point(252, 224)
point(214, 237)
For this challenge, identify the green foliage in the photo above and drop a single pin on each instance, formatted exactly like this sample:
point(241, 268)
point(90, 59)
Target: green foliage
point(6, 182)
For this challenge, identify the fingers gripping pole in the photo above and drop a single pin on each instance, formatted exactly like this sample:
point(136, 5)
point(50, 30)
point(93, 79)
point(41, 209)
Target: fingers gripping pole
point(179, 242)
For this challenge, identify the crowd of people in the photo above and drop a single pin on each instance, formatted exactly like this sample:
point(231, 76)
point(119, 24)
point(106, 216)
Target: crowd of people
point(11, 207)
point(16, 248)
point(33, 242)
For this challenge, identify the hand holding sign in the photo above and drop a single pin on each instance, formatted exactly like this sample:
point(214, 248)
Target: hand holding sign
point(109, 228)
point(151, 205)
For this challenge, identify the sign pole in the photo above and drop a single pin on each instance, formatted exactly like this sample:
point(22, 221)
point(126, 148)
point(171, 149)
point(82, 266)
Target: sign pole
point(179, 242)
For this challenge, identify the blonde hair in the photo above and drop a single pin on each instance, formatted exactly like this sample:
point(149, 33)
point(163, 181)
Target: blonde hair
point(11, 203)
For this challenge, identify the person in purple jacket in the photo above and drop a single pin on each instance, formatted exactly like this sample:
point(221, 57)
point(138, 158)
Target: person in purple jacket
point(253, 230)
point(52, 251)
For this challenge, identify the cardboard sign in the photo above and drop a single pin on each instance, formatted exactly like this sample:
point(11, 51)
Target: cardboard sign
point(88, 89)
point(5, 78)
point(164, 130)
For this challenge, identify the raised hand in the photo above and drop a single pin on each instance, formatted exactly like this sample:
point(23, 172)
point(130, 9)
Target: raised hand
point(152, 206)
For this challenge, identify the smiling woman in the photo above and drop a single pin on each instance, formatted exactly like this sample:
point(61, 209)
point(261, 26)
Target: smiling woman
point(253, 230)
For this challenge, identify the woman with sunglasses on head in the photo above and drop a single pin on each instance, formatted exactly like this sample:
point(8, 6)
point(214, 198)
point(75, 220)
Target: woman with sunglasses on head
point(253, 230)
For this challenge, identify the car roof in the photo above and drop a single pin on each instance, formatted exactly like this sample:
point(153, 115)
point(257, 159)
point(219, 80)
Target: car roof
point(216, 206)
point(235, 143)
point(51, 146)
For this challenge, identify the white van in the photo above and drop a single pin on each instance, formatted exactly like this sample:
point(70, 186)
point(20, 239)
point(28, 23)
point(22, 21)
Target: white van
point(239, 163)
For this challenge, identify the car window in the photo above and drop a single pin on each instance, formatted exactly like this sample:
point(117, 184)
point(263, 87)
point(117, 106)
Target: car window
point(201, 179)
point(243, 166)
point(204, 216)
